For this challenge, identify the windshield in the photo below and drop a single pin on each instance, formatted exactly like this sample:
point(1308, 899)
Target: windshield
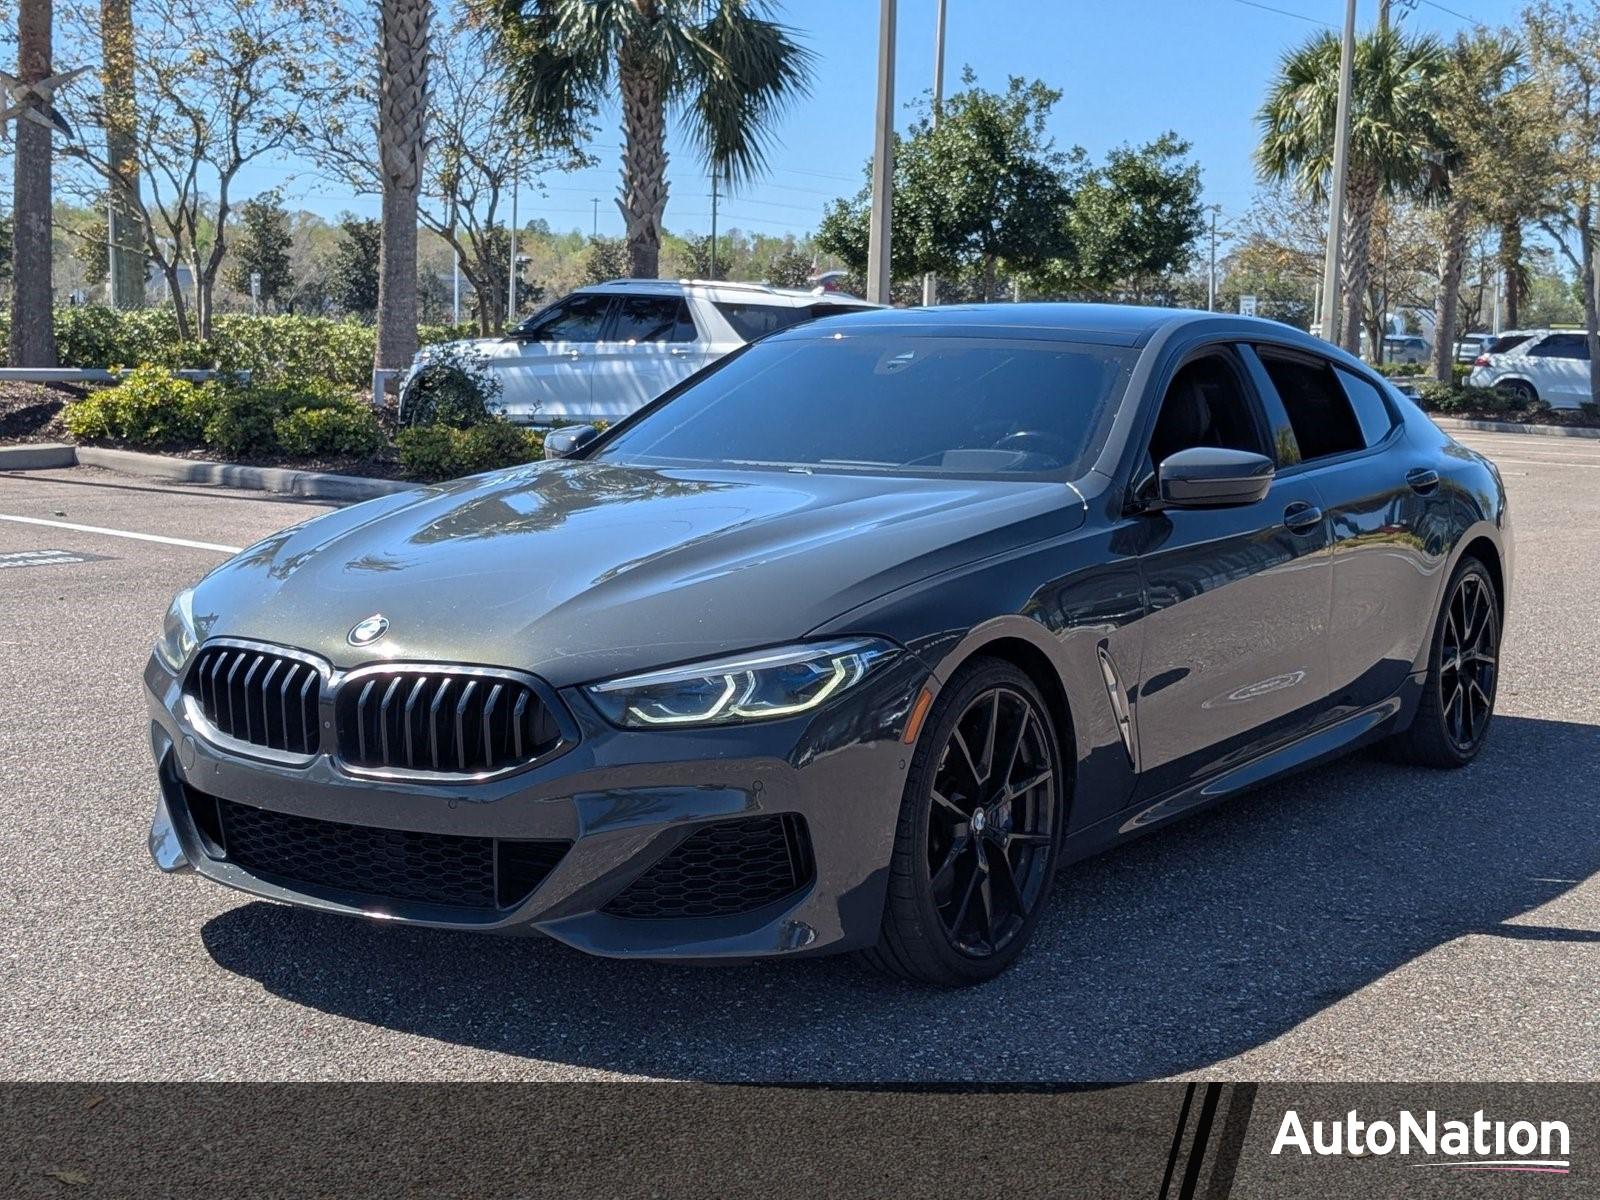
point(890, 402)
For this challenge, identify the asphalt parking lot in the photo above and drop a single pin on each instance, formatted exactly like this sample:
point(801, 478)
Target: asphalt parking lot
point(1364, 922)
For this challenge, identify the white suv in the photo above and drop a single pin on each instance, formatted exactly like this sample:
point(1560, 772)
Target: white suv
point(1548, 365)
point(603, 351)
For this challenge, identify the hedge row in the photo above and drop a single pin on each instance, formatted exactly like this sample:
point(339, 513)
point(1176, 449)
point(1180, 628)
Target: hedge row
point(275, 347)
point(314, 419)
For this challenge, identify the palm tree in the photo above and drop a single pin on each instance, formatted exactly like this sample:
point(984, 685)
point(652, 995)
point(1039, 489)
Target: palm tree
point(126, 234)
point(721, 65)
point(1392, 130)
point(33, 339)
point(1477, 115)
point(402, 134)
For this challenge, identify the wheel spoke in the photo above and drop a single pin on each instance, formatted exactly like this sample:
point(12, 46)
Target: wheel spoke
point(1006, 878)
point(949, 806)
point(989, 738)
point(947, 868)
point(1016, 746)
point(966, 758)
point(986, 896)
point(1031, 839)
point(1022, 789)
point(966, 900)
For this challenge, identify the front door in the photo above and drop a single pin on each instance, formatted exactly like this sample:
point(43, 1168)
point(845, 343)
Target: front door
point(1234, 651)
point(545, 365)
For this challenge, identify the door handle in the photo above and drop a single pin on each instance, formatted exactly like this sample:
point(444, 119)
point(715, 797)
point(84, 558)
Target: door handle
point(1422, 479)
point(1301, 517)
point(574, 354)
point(678, 352)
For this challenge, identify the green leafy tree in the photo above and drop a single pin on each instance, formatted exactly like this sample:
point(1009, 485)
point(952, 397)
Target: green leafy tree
point(984, 187)
point(789, 268)
point(605, 259)
point(722, 65)
point(1131, 222)
point(1564, 57)
point(1393, 129)
point(262, 248)
point(353, 267)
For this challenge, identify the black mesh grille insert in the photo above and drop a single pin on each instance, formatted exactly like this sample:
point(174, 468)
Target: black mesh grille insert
point(723, 869)
point(255, 696)
point(385, 864)
point(442, 720)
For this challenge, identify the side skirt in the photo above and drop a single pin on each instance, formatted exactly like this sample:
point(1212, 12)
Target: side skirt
point(1331, 741)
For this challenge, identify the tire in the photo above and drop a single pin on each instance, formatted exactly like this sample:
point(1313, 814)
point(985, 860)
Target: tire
point(1457, 707)
point(966, 919)
point(1521, 392)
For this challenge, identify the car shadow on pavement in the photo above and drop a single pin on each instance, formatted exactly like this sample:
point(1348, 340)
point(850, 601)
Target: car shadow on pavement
point(1191, 946)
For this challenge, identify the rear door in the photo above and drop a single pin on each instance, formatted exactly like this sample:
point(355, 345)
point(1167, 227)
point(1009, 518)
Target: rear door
point(650, 344)
point(1377, 493)
point(545, 364)
point(1560, 369)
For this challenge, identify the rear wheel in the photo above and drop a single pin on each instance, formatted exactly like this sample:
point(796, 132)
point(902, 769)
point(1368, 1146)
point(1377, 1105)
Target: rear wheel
point(1457, 705)
point(1521, 393)
point(979, 831)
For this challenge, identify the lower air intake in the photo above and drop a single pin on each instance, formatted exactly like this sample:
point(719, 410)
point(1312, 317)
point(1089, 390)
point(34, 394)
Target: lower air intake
point(722, 870)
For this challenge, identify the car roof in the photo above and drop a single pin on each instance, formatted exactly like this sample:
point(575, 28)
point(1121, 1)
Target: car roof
point(727, 291)
point(1107, 324)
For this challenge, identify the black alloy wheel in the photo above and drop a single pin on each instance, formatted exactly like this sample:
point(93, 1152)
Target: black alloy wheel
point(979, 833)
point(1469, 662)
point(1457, 705)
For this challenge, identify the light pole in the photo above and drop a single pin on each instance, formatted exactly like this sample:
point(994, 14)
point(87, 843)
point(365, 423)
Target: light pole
point(596, 201)
point(511, 273)
point(878, 229)
point(930, 282)
point(1211, 276)
point(1341, 155)
point(713, 222)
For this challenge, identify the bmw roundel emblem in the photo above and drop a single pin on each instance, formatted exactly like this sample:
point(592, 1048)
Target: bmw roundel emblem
point(366, 632)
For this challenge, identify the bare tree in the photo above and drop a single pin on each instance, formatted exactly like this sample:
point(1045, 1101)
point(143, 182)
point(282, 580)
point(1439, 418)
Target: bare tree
point(220, 84)
point(402, 136)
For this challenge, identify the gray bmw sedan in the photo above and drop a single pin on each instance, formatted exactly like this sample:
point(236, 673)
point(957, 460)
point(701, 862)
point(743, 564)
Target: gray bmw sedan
point(851, 641)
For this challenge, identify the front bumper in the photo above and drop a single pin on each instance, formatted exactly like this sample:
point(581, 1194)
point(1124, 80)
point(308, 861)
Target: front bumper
point(621, 802)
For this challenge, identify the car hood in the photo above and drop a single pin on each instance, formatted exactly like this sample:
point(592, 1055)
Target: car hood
point(577, 571)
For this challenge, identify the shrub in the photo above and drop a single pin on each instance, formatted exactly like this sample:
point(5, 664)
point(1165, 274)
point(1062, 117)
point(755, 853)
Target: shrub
point(445, 452)
point(347, 430)
point(1590, 410)
point(150, 407)
point(243, 416)
point(1400, 370)
point(1445, 398)
point(452, 388)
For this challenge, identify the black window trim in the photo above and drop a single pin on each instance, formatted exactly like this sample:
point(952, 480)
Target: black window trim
point(1230, 349)
point(1293, 353)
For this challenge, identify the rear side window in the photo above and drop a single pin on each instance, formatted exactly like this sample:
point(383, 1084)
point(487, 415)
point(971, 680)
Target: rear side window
point(1372, 414)
point(1501, 345)
point(1320, 413)
point(751, 321)
point(652, 319)
point(1562, 345)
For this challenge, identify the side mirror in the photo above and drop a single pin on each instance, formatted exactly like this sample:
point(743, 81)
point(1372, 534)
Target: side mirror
point(566, 442)
point(1207, 477)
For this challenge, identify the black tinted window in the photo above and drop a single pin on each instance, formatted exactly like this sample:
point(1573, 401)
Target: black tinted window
point(1320, 415)
point(1372, 414)
point(890, 402)
point(575, 319)
point(1205, 405)
point(751, 321)
point(1562, 345)
point(1509, 342)
point(652, 319)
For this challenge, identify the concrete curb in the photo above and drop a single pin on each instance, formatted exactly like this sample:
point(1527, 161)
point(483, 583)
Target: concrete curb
point(37, 456)
point(1512, 427)
point(308, 485)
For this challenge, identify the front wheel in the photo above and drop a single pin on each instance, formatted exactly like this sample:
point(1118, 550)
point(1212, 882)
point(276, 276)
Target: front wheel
point(979, 831)
point(1457, 705)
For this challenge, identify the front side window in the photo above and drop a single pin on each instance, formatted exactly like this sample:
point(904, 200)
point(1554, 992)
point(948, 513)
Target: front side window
point(578, 318)
point(1205, 405)
point(1320, 414)
point(652, 319)
point(886, 402)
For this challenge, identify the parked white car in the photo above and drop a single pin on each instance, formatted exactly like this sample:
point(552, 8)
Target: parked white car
point(603, 351)
point(1548, 365)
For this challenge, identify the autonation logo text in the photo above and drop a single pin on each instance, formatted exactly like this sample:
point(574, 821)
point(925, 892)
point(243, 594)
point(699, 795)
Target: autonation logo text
point(1480, 1144)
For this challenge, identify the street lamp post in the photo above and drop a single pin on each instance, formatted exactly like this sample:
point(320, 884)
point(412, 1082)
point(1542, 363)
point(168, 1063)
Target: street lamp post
point(878, 230)
point(1341, 154)
point(930, 282)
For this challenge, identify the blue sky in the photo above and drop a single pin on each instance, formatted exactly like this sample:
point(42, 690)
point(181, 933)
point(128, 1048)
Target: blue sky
point(1128, 70)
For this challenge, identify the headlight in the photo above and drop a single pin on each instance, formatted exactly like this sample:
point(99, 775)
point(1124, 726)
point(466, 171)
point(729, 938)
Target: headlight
point(760, 686)
point(177, 633)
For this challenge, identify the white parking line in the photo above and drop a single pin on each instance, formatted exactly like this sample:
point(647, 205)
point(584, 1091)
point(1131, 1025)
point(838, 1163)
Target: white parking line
point(123, 533)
